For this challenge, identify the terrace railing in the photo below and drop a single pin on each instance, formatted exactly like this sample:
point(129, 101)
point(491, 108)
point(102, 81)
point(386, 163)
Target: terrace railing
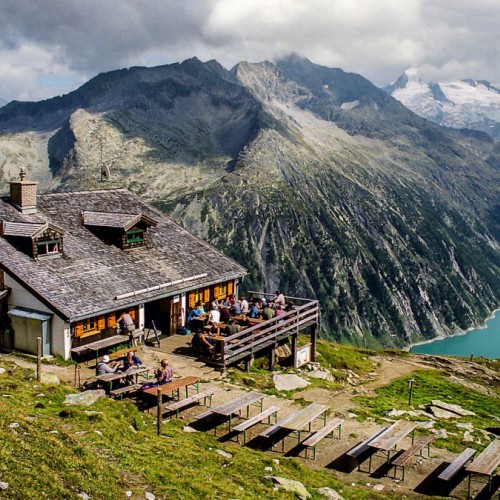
point(268, 333)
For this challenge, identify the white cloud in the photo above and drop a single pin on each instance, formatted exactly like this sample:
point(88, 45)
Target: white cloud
point(76, 40)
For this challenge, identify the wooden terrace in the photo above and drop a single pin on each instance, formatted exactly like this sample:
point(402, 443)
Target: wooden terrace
point(267, 335)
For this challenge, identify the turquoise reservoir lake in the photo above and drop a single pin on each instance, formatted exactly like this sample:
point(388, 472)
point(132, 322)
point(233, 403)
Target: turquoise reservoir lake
point(482, 342)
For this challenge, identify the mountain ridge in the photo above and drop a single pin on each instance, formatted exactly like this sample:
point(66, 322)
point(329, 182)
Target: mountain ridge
point(316, 180)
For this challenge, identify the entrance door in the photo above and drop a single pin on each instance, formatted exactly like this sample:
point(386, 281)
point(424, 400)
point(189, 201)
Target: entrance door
point(175, 315)
point(26, 331)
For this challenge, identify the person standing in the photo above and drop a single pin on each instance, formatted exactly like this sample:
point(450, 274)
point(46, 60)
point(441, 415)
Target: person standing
point(128, 326)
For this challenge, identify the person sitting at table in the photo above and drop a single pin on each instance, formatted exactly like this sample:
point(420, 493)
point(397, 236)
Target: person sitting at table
point(202, 342)
point(279, 298)
point(202, 309)
point(245, 306)
point(214, 304)
point(267, 312)
point(235, 309)
point(165, 373)
point(225, 314)
point(194, 315)
point(130, 361)
point(279, 311)
point(244, 322)
point(104, 366)
point(214, 317)
point(254, 311)
point(231, 328)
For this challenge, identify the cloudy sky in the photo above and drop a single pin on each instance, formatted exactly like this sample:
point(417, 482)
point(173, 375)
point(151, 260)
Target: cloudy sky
point(49, 47)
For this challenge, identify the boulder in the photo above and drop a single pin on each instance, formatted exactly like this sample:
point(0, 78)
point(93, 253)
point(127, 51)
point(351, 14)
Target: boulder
point(289, 382)
point(2, 370)
point(328, 493)
point(396, 413)
point(87, 398)
point(50, 379)
point(453, 408)
point(444, 414)
point(225, 454)
point(321, 374)
point(290, 485)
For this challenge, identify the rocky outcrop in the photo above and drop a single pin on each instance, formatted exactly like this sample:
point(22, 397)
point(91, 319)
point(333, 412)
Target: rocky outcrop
point(315, 180)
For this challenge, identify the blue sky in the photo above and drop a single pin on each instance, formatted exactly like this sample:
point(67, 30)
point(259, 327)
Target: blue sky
point(51, 47)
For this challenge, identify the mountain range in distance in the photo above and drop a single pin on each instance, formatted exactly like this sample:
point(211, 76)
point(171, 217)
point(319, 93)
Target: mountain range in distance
point(472, 104)
point(318, 182)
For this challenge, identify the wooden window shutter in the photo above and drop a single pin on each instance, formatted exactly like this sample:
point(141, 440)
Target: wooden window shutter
point(111, 321)
point(206, 295)
point(132, 313)
point(192, 298)
point(101, 323)
point(230, 288)
point(217, 292)
point(78, 329)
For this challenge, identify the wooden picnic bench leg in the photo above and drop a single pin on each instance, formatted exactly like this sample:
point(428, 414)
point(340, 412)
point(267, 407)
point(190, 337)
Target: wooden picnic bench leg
point(340, 430)
point(369, 465)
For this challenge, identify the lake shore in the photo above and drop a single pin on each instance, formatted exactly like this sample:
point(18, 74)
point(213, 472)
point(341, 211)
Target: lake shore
point(460, 333)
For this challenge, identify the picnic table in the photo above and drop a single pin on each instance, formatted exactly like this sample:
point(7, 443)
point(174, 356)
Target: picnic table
point(236, 405)
point(101, 344)
point(388, 440)
point(111, 377)
point(299, 419)
point(485, 464)
point(174, 387)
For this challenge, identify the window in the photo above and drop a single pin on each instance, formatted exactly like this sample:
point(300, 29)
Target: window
point(47, 248)
point(136, 236)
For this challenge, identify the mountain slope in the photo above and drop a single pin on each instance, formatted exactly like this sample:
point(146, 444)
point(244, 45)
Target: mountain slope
point(461, 104)
point(315, 180)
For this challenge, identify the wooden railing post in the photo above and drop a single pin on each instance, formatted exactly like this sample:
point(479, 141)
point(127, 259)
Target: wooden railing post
point(158, 411)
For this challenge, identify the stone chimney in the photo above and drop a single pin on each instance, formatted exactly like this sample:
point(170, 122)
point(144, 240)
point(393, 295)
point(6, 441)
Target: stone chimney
point(23, 194)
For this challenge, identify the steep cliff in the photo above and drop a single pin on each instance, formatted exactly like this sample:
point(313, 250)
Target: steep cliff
point(320, 183)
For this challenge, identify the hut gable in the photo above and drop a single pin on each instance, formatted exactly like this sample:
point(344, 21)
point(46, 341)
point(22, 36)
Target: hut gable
point(127, 231)
point(39, 240)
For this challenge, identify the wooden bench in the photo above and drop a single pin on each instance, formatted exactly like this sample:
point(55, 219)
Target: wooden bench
point(127, 389)
point(417, 447)
point(195, 398)
point(364, 445)
point(122, 352)
point(327, 430)
point(247, 424)
point(457, 465)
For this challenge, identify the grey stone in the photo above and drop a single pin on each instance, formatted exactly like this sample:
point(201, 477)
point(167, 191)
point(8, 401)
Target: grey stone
point(378, 487)
point(426, 425)
point(128, 493)
point(468, 438)
point(50, 379)
point(149, 496)
point(440, 434)
point(268, 469)
point(328, 493)
point(87, 398)
point(4, 486)
point(289, 382)
point(225, 454)
point(444, 414)
point(2, 370)
point(290, 485)
point(188, 428)
point(13, 425)
point(83, 495)
point(452, 408)
point(396, 413)
point(468, 426)
point(321, 374)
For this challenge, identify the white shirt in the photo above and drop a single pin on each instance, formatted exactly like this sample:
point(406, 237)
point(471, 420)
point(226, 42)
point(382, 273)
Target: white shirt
point(280, 299)
point(244, 306)
point(214, 316)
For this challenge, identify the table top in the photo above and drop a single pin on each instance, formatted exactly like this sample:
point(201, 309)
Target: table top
point(487, 461)
point(109, 377)
point(238, 403)
point(177, 383)
point(393, 435)
point(110, 341)
point(299, 419)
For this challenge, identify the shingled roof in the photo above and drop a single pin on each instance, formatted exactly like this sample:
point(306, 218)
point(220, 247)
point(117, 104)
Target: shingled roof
point(94, 277)
point(115, 220)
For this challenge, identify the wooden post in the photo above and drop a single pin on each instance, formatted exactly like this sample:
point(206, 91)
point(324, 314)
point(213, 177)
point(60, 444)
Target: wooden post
point(272, 358)
point(158, 411)
point(471, 356)
point(410, 383)
point(249, 363)
point(313, 342)
point(294, 350)
point(39, 359)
